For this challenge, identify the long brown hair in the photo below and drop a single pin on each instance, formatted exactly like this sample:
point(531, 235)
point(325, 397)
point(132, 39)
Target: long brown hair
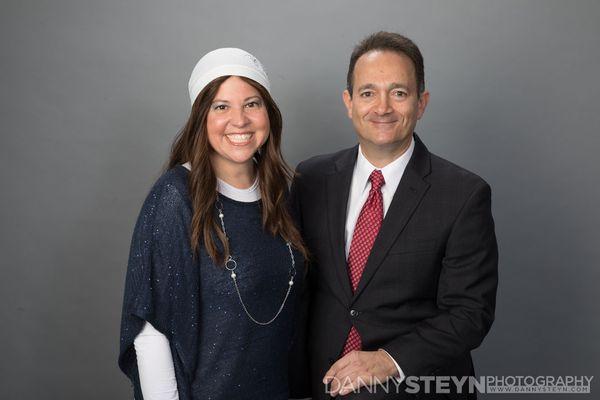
point(274, 175)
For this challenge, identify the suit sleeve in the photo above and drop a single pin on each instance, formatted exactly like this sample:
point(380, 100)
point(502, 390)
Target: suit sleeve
point(299, 376)
point(466, 293)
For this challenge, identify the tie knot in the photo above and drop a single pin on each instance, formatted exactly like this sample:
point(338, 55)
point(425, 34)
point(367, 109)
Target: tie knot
point(377, 180)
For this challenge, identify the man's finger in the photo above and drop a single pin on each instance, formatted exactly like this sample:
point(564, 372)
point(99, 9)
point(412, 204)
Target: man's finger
point(351, 382)
point(346, 378)
point(339, 364)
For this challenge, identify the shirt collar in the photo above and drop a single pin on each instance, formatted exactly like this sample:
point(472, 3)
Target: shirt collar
point(392, 173)
point(248, 195)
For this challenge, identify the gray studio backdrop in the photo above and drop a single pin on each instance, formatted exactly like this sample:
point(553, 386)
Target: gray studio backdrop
point(93, 93)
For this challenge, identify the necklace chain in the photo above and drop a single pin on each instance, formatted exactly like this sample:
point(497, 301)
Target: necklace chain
point(231, 265)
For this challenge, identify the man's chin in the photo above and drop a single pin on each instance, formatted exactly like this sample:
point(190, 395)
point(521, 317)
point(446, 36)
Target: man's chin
point(386, 141)
point(387, 145)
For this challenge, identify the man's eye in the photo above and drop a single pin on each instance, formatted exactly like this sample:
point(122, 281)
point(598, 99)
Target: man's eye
point(366, 94)
point(400, 93)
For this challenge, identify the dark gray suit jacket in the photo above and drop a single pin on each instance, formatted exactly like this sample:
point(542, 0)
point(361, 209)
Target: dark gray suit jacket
point(427, 294)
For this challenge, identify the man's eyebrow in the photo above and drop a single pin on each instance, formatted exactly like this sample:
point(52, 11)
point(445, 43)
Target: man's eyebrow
point(397, 85)
point(393, 85)
point(366, 86)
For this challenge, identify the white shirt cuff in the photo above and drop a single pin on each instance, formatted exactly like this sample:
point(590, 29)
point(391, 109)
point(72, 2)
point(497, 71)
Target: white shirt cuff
point(401, 375)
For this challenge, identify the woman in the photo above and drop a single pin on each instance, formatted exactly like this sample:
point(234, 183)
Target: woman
point(216, 262)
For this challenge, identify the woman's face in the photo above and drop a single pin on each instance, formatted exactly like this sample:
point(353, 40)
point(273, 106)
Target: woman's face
point(237, 124)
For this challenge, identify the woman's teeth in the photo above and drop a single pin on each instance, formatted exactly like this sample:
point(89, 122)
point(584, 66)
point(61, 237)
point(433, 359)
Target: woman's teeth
point(239, 138)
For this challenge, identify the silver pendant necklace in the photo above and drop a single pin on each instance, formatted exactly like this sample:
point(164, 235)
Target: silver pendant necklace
point(231, 266)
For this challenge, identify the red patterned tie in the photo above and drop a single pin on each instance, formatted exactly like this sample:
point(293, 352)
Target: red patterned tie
point(365, 231)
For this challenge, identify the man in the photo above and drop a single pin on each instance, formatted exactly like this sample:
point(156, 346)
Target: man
point(404, 255)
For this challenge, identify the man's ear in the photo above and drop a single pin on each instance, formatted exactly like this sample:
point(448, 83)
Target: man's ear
point(348, 102)
point(423, 101)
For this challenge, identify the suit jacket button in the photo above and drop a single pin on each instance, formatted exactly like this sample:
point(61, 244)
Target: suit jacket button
point(353, 313)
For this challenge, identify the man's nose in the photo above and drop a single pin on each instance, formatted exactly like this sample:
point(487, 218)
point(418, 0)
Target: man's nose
point(383, 105)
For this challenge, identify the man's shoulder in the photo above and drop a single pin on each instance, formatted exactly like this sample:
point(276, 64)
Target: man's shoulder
point(449, 173)
point(323, 164)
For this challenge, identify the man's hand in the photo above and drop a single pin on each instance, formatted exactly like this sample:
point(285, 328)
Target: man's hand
point(359, 368)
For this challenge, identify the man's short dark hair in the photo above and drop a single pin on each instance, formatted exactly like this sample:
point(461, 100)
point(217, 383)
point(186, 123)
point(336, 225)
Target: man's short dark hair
point(388, 41)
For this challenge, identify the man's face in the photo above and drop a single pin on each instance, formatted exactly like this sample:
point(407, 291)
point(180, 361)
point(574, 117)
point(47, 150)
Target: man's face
point(385, 105)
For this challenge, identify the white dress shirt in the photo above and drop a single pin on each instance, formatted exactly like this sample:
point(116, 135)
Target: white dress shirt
point(154, 358)
point(359, 191)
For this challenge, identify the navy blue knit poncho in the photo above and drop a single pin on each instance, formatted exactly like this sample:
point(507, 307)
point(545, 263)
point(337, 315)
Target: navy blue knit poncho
point(218, 353)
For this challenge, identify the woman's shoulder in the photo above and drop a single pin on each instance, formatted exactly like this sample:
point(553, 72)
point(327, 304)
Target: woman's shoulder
point(176, 177)
point(170, 189)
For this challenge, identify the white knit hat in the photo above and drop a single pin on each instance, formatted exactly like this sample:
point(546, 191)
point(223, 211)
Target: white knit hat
point(223, 62)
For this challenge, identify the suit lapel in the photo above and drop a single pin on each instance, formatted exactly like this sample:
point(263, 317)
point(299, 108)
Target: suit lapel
point(338, 190)
point(407, 197)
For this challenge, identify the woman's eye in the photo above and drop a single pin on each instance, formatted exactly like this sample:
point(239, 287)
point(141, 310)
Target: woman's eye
point(220, 107)
point(253, 104)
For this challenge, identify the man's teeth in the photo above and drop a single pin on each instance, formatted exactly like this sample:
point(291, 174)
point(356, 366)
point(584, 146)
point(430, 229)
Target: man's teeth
point(239, 138)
